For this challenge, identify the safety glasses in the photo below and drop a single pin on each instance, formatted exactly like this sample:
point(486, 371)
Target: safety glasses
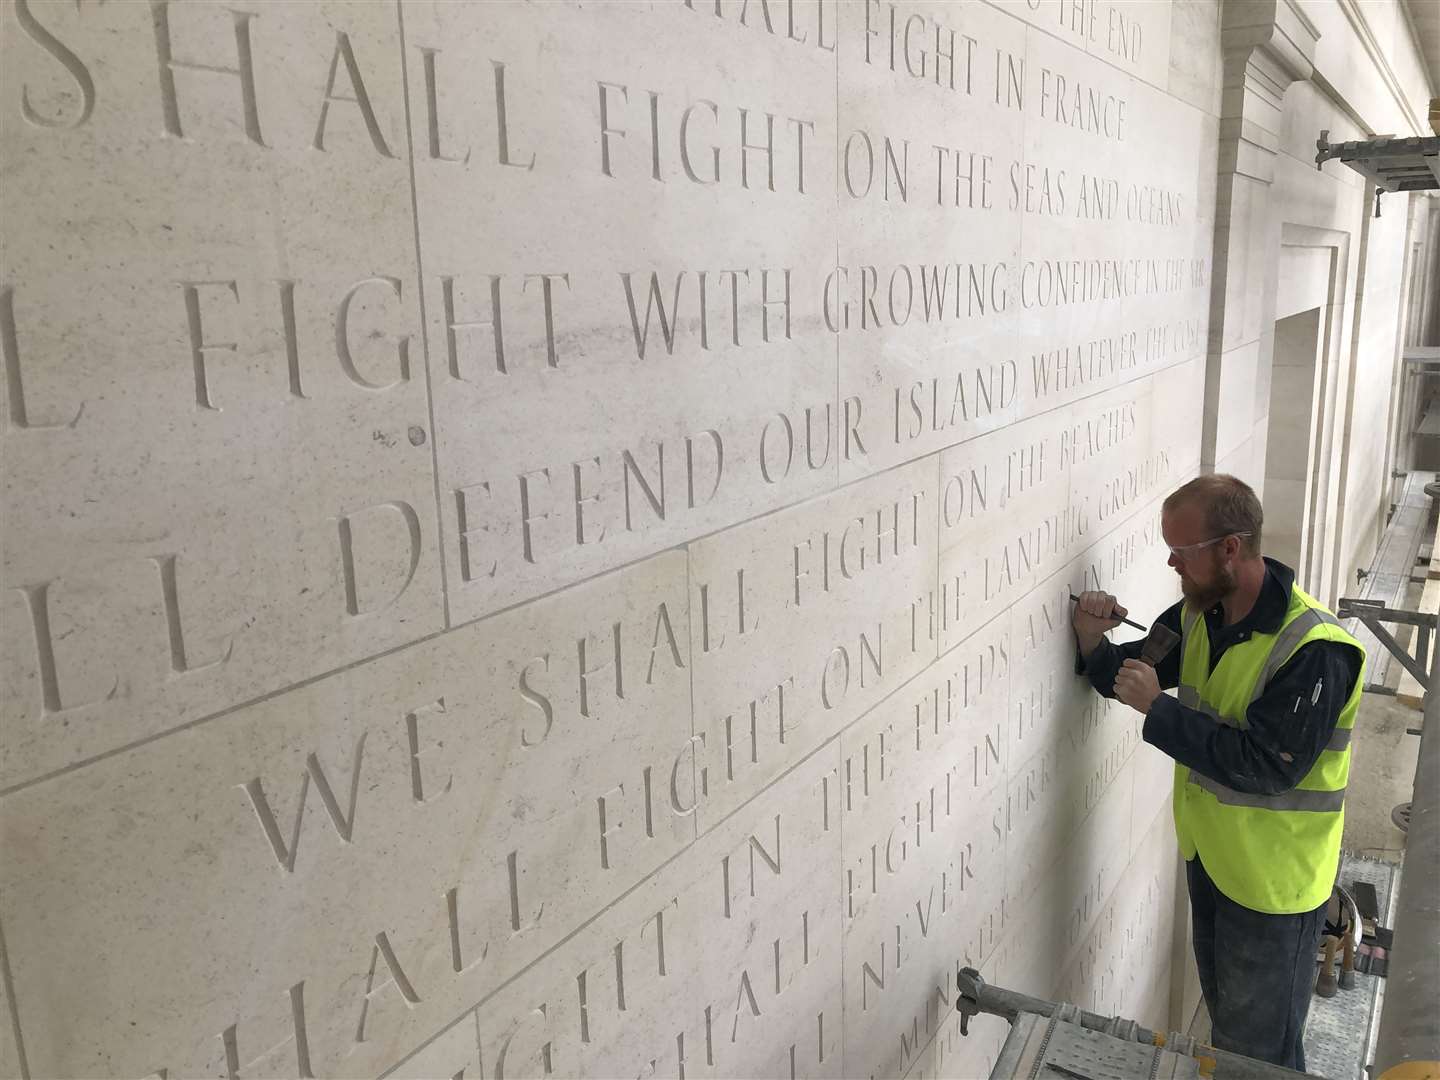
point(1184, 551)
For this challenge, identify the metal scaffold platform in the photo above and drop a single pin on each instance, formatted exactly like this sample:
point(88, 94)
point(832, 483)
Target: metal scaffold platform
point(1340, 1030)
point(1054, 1041)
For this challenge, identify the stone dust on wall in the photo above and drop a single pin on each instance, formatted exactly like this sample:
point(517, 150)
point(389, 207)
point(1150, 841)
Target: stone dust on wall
point(537, 535)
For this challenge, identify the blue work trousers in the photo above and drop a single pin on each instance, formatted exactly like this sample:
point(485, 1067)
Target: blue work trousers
point(1257, 972)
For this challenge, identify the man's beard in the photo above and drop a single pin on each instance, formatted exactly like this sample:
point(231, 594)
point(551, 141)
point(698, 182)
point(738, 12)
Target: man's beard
point(1205, 597)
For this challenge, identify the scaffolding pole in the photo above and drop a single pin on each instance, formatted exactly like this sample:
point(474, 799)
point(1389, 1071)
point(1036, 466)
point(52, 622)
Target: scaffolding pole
point(1409, 1044)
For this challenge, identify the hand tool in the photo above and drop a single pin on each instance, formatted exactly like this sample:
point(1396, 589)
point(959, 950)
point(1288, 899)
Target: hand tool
point(1128, 622)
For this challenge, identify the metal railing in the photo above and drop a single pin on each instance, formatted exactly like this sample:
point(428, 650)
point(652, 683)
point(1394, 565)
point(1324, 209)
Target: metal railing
point(1408, 1045)
point(1410, 1019)
point(975, 996)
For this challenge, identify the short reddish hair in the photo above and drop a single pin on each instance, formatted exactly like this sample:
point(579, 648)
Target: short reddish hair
point(1231, 507)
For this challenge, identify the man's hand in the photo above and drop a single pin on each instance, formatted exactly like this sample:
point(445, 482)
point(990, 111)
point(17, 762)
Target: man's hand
point(1136, 685)
point(1096, 613)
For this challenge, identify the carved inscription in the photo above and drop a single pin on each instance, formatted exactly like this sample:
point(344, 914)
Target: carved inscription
point(185, 62)
point(769, 687)
point(801, 22)
point(919, 789)
point(599, 693)
point(210, 372)
point(803, 517)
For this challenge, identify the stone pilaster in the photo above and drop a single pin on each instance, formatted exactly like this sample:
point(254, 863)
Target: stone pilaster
point(1268, 44)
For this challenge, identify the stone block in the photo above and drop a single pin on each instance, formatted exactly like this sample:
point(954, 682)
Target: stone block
point(634, 354)
point(219, 475)
point(1195, 64)
point(1235, 397)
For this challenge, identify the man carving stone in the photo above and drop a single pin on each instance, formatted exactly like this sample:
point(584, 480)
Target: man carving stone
point(1268, 684)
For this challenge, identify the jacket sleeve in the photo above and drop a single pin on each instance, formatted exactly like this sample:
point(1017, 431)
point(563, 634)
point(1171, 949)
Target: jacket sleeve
point(1289, 724)
point(1102, 664)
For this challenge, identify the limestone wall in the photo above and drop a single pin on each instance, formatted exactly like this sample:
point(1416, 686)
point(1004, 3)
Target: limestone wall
point(1317, 252)
point(537, 535)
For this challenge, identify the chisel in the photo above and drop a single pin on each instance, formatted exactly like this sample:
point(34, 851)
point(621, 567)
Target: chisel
point(1128, 622)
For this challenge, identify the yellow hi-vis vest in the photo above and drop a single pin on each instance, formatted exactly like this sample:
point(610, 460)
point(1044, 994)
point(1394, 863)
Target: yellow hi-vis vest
point(1272, 853)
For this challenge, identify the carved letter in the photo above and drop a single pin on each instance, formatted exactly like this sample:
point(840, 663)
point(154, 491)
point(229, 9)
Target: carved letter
point(397, 979)
point(586, 672)
point(714, 176)
point(344, 824)
point(767, 147)
point(292, 340)
point(14, 387)
point(744, 995)
point(653, 301)
point(538, 700)
point(361, 98)
point(527, 516)
point(545, 292)
point(502, 125)
point(789, 444)
point(495, 322)
point(581, 499)
point(662, 619)
point(38, 597)
point(606, 827)
point(719, 445)
point(412, 729)
point(543, 1051)
point(179, 662)
point(675, 802)
point(199, 347)
point(347, 556)
point(432, 99)
point(839, 662)
point(230, 1037)
point(67, 59)
point(869, 976)
point(457, 956)
point(342, 338)
point(753, 846)
point(512, 870)
point(468, 563)
point(657, 505)
point(605, 129)
point(244, 70)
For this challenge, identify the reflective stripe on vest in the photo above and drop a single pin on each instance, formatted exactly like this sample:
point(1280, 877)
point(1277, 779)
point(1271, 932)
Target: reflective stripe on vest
point(1339, 738)
point(1295, 799)
point(1287, 641)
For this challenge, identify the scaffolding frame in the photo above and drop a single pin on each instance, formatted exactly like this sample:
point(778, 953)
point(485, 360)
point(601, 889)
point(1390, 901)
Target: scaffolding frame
point(1409, 164)
point(1409, 1030)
